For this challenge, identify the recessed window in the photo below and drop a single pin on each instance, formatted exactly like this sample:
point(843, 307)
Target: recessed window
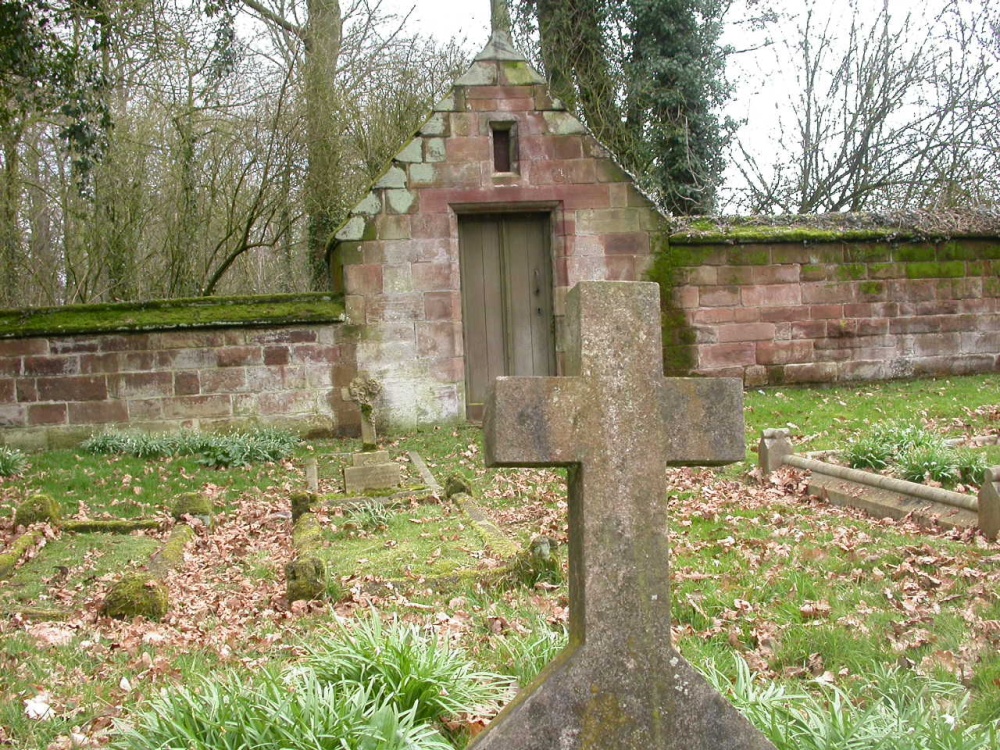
point(504, 146)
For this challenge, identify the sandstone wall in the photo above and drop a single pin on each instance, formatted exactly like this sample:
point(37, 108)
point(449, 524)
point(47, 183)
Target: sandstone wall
point(829, 311)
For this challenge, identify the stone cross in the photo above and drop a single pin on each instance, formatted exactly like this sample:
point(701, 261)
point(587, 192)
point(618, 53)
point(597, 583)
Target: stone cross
point(615, 422)
point(364, 391)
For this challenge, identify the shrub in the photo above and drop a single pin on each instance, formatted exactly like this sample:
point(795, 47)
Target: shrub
point(12, 462)
point(292, 711)
point(217, 451)
point(413, 673)
point(369, 516)
point(525, 656)
point(936, 463)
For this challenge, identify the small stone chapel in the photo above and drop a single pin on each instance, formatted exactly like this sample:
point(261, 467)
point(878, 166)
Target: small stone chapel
point(455, 266)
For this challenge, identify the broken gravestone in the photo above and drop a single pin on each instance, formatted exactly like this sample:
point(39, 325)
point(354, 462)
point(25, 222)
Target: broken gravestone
point(614, 422)
point(372, 469)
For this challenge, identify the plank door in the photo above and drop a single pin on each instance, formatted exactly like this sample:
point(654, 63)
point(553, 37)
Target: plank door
point(506, 273)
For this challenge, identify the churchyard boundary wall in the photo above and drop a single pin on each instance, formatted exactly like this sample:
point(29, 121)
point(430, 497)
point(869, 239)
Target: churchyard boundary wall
point(66, 373)
point(777, 306)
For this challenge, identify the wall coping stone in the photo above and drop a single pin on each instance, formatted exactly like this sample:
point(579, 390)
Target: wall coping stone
point(174, 314)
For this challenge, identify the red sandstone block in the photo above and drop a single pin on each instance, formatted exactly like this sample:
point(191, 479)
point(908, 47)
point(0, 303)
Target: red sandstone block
point(275, 355)
point(141, 385)
point(629, 243)
point(439, 340)
point(565, 147)
point(576, 197)
point(520, 104)
point(980, 342)
point(7, 390)
point(10, 366)
point(74, 345)
point(197, 407)
point(781, 314)
point(430, 226)
point(783, 352)
point(363, 279)
point(470, 149)
point(188, 340)
point(428, 277)
point(722, 296)
point(839, 329)
point(734, 332)
point(13, 415)
point(714, 356)
point(546, 172)
point(497, 92)
point(26, 389)
point(620, 268)
point(186, 359)
point(815, 329)
point(735, 275)
point(686, 297)
point(98, 412)
point(775, 274)
point(239, 356)
point(826, 312)
point(937, 344)
point(822, 293)
point(187, 383)
point(287, 336)
point(229, 380)
point(51, 365)
point(394, 308)
point(75, 388)
point(833, 354)
point(819, 372)
point(873, 327)
point(47, 414)
point(448, 370)
point(145, 410)
point(914, 324)
point(905, 290)
point(747, 315)
point(102, 364)
point(23, 347)
point(712, 316)
point(286, 402)
point(584, 268)
point(392, 227)
point(699, 276)
point(442, 306)
point(315, 354)
point(772, 295)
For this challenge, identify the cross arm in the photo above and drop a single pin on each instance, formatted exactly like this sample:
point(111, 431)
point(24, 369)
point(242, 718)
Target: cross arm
point(704, 421)
point(530, 421)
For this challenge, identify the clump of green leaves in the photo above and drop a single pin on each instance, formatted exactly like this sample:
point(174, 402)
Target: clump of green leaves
point(915, 454)
point(412, 672)
point(369, 516)
point(525, 656)
point(289, 710)
point(903, 712)
point(237, 449)
point(12, 462)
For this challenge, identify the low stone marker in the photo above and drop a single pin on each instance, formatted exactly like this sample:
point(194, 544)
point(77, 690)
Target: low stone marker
point(372, 470)
point(615, 422)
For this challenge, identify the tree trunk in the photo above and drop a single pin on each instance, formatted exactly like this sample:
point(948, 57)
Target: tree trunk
point(324, 199)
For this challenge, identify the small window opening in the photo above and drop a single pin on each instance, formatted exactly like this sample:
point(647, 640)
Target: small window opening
point(504, 147)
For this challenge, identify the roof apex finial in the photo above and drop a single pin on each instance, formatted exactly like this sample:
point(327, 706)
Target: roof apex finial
point(500, 17)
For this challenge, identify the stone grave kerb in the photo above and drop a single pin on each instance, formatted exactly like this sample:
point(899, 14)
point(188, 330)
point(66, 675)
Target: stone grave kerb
point(614, 422)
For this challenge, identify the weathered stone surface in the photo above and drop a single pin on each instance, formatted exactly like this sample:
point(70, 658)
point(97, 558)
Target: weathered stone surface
point(989, 503)
point(375, 477)
point(305, 579)
point(137, 595)
point(773, 447)
point(368, 458)
point(619, 684)
point(39, 508)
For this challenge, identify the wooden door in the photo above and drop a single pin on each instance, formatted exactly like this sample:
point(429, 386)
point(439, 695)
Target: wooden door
point(506, 300)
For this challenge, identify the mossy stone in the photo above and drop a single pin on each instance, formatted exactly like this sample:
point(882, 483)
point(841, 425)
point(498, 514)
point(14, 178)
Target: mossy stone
point(137, 595)
point(307, 534)
point(302, 503)
point(39, 508)
point(305, 579)
point(539, 563)
point(456, 484)
point(192, 504)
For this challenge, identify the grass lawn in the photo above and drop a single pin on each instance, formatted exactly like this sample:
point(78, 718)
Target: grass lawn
point(813, 598)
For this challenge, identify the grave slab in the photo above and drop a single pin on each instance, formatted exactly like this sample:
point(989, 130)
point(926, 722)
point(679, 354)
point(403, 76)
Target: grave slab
point(614, 421)
point(372, 477)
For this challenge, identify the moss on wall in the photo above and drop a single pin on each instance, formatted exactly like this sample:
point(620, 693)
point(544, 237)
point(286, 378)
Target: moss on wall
point(678, 336)
point(164, 315)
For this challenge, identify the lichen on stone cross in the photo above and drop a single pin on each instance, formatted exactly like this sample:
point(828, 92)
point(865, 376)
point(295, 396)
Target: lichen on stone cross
point(364, 391)
point(614, 422)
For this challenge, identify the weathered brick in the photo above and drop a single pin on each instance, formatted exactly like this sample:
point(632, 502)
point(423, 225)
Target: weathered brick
point(723, 296)
point(286, 403)
point(818, 372)
point(141, 385)
point(430, 277)
point(10, 367)
point(745, 332)
point(826, 312)
point(145, 410)
point(781, 314)
point(746, 315)
point(442, 306)
point(783, 352)
point(98, 412)
point(439, 340)
point(197, 407)
point(52, 365)
point(23, 347)
point(75, 388)
point(711, 356)
point(275, 355)
point(26, 389)
point(809, 329)
point(620, 268)
point(187, 383)
point(829, 293)
point(7, 390)
point(239, 356)
point(101, 364)
point(229, 380)
point(13, 415)
point(315, 354)
point(47, 414)
point(711, 316)
point(772, 295)
point(74, 345)
point(363, 279)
